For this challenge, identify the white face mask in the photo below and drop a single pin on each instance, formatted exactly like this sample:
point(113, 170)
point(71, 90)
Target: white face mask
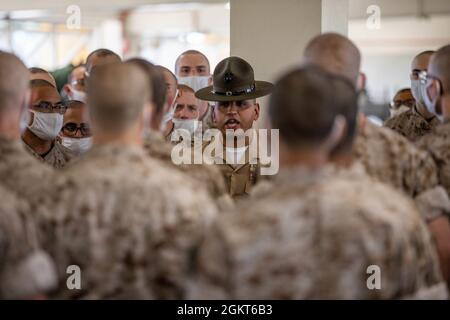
point(46, 125)
point(431, 104)
point(77, 145)
point(169, 115)
point(24, 120)
point(190, 125)
point(417, 91)
point(399, 110)
point(195, 82)
point(77, 95)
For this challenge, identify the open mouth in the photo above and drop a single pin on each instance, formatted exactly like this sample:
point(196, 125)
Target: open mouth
point(232, 124)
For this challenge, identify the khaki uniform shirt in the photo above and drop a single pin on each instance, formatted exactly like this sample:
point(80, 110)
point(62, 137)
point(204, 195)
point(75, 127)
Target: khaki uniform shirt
point(207, 175)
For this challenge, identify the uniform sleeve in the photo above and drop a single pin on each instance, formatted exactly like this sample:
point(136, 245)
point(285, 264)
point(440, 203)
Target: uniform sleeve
point(32, 275)
point(433, 203)
point(422, 172)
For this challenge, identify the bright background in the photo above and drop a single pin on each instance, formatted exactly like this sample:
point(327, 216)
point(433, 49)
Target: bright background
point(160, 30)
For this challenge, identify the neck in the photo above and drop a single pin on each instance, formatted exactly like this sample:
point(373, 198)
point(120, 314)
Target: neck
point(9, 129)
point(342, 160)
point(309, 159)
point(128, 139)
point(233, 142)
point(38, 145)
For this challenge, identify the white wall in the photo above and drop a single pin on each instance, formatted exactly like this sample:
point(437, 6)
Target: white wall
point(388, 51)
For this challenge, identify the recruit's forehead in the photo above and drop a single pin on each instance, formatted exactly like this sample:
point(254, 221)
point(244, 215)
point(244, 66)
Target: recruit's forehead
point(187, 97)
point(76, 114)
point(420, 62)
point(78, 72)
point(43, 76)
point(98, 60)
point(192, 60)
point(46, 93)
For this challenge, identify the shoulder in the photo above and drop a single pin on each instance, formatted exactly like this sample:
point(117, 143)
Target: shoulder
point(438, 138)
point(399, 119)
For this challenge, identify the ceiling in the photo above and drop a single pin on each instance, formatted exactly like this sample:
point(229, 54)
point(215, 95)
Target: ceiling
point(98, 10)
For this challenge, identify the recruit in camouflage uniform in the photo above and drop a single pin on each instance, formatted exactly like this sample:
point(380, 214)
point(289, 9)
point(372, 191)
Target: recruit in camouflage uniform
point(320, 245)
point(393, 159)
point(437, 144)
point(411, 124)
point(57, 157)
point(128, 223)
point(19, 171)
point(25, 270)
point(209, 176)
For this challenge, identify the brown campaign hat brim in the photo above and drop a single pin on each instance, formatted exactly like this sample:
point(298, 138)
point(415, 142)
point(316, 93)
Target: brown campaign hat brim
point(262, 88)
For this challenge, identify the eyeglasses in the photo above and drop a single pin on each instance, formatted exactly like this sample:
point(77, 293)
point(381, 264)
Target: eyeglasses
point(48, 107)
point(80, 82)
point(407, 102)
point(416, 74)
point(71, 129)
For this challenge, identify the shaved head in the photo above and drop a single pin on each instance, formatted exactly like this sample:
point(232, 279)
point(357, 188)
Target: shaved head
point(100, 57)
point(14, 83)
point(39, 73)
point(335, 54)
point(185, 88)
point(305, 103)
point(192, 59)
point(157, 80)
point(440, 67)
point(117, 94)
point(420, 61)
point(38, 83)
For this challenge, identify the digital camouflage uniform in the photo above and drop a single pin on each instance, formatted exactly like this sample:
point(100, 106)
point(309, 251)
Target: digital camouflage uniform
point(20, 172)
point(393, 159)
point(25, 270)
point(313, 235)
point(411, 124)
point(57, 157)
point(437, 144)
point(128, 223)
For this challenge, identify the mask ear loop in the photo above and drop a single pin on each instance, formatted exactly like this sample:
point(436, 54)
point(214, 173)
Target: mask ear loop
point(25, 112)
point(336, 133)
point(439, 90)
